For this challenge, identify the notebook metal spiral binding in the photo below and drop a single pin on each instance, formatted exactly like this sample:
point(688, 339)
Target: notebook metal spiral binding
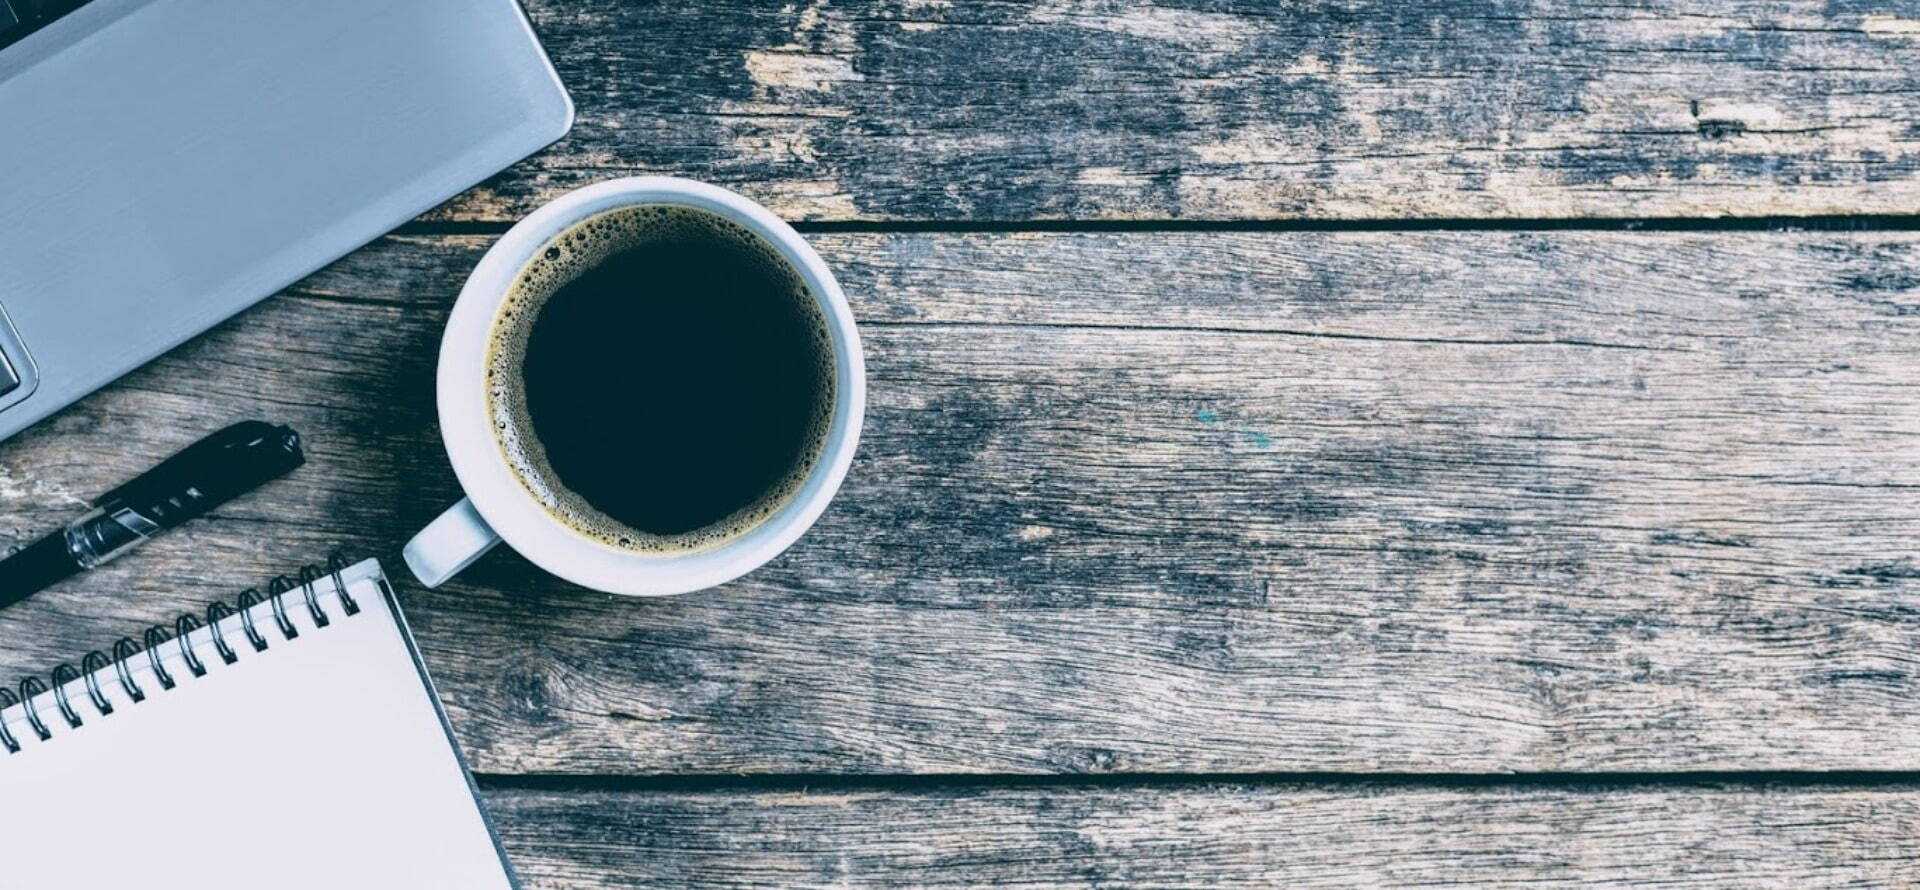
point(67, 710)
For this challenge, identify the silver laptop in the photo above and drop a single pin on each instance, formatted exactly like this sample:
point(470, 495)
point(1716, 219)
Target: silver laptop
point(166, 163)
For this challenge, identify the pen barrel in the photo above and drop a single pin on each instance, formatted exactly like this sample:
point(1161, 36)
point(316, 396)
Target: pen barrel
point(34, 567)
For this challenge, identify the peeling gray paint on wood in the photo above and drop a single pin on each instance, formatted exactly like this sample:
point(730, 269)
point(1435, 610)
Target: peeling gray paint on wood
point(1158, 502)
point(1227, 836)
point(1132, 109)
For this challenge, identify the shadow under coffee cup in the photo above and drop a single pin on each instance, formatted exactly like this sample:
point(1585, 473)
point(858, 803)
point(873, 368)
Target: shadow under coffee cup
point(649, 386)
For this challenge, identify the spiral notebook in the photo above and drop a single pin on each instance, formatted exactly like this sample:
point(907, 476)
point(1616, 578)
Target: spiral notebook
point(291, 742)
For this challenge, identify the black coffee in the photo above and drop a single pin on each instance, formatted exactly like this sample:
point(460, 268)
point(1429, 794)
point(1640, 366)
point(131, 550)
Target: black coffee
point(660, 378)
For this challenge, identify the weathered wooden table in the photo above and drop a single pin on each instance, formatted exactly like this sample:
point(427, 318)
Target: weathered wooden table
point(1310, 444)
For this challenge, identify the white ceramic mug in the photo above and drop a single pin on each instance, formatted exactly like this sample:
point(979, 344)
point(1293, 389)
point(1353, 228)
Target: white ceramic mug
point(497, 507)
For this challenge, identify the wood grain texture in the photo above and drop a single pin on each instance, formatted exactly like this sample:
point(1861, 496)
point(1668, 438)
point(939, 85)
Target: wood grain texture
point(1198, 109)
point(1218, 836)
point(1159, 503)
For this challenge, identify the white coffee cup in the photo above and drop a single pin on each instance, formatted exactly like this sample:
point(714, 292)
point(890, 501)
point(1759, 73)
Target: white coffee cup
point(498, 507)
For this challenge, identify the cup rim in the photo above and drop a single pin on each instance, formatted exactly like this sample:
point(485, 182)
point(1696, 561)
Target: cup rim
point(520, 519)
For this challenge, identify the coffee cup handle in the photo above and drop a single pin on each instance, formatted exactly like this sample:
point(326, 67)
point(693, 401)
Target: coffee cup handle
point(449, 543)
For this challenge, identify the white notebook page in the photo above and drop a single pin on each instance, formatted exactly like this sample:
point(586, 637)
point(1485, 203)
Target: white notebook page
point(320, 763)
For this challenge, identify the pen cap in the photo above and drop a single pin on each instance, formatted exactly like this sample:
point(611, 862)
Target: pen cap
point(209, 473)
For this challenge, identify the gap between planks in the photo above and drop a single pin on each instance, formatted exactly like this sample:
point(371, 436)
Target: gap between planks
point(1833, 223)
point(1889, 780)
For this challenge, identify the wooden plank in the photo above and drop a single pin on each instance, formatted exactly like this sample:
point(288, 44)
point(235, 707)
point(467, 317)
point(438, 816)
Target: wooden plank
point(1218, 836)
point(1161, 503)
point(1193, 109)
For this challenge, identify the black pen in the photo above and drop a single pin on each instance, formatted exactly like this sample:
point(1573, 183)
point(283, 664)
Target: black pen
point(202, 476)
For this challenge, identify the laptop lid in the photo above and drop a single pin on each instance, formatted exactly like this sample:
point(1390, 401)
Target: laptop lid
point(165, 163)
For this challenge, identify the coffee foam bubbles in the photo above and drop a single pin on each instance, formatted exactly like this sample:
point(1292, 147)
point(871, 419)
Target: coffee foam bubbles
point(565, 257)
